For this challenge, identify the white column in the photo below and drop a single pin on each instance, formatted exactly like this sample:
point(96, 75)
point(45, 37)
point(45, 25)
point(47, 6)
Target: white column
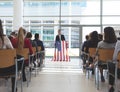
point(17, 14)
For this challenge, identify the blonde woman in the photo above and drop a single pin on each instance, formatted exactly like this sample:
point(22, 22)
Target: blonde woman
point(20, 43)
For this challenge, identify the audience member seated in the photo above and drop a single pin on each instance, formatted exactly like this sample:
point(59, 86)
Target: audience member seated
point(40, 43)
point(108, 42)
point(20, 43)
point(112, 68)
point(34, 44)
point(91, 43)
point(29, 36)
point(12, 37)
point(100, 36)
point(84, 56)
point(5, 44)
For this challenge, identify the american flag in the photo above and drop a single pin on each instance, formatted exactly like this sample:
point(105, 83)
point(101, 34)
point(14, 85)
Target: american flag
point(61, 51)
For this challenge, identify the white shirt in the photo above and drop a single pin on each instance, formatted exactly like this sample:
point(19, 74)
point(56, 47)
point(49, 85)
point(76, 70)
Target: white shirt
point(7, 43)
point(60, 37)
point(116, 51)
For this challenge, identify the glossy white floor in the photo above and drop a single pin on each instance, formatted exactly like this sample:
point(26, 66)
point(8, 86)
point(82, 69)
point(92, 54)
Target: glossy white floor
point(60, 77)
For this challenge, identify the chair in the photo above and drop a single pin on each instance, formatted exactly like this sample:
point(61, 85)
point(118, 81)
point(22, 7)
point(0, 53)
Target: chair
point(9, 65)
point(103, 55)
point(84, 57)
point(42, 57)
point(27, 56)
point(39, 58)
point(39, 48)
point(24, 53)
point(91, 54)
point(34, 60)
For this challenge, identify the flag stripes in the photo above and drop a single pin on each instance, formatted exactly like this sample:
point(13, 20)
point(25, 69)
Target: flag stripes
point(61, 51)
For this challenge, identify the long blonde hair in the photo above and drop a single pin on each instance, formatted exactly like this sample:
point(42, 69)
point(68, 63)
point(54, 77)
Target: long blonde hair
point(21, 34)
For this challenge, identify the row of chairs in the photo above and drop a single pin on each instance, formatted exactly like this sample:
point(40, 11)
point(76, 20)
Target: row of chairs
point(105, 57)
point(32, 59)
point(8, 58)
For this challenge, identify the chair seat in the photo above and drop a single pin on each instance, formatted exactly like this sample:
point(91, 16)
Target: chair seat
point(89, 68)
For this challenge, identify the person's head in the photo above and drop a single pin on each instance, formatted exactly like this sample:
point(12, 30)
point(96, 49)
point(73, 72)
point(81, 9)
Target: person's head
point(1, 32)
point(21, 36)
point(109, 35)
point(100, 36)
point(29, 35)
point(87, 37)
point(59, 32)
point(36, 36)
point(13, 34)
point(94, 35)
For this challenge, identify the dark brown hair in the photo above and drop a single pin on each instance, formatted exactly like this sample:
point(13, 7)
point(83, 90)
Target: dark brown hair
point(109, 35)
point(29, 35)
point(36, 36)
point(94, 35)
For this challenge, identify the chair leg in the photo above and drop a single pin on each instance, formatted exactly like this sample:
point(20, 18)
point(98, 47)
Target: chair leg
point(88, 73)
point(116, 88)
point(98, 78)
point(29, 76)
point(15, 86)
point(95, 75)
point(21, 82)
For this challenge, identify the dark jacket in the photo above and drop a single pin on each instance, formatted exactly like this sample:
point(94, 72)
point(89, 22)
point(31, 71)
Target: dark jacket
point(39, 43)
point(58, 39)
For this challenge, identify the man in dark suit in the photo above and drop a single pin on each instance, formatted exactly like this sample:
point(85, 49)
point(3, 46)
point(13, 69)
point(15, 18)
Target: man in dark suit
point(59, 37)
point(59, 41)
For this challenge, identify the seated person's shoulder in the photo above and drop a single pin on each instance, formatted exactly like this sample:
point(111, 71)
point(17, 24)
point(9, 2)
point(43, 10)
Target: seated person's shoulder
point(27, 40)
point(118, 41)
point(5, 37)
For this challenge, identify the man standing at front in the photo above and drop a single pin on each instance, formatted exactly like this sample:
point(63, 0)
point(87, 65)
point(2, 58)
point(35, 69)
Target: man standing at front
point(60, 47)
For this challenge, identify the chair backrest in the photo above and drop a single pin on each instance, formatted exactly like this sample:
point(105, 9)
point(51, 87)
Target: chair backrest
point(92, 51)
point(7, 57)
point(118, 58)
point(105, 54)
point(34, 49)
point(24, 53)
point(39, 48)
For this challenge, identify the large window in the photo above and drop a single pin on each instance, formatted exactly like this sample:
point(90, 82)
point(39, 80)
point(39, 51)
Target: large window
point(45, 16)
point(111, 14)
point(6, 8)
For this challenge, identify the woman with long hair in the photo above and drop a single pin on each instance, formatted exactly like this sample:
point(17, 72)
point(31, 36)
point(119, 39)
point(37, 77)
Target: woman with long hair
point(20, 43)
point(91, 43)
point(5, 44)
point(4, 41)
point(108, 42)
